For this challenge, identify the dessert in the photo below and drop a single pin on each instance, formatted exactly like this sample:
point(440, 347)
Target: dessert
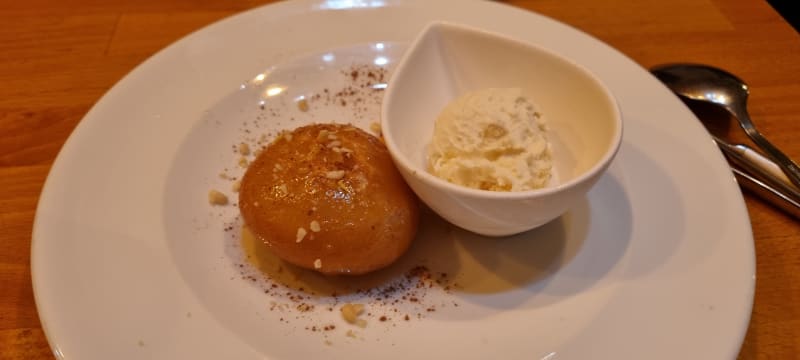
point(327, 197)
point(491, 139)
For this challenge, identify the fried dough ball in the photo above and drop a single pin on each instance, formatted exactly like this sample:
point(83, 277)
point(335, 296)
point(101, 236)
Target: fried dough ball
point(328, 197)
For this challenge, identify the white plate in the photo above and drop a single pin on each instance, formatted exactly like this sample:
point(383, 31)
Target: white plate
point(129, 261)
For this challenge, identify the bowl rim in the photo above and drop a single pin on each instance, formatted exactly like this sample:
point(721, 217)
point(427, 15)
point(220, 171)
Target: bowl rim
point(402, 160)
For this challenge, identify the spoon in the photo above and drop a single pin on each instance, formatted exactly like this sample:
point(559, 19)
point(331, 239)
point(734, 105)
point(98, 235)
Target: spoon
point(716, 86)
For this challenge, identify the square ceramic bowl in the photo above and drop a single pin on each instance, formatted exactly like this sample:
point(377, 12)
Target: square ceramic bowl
point(445, 61)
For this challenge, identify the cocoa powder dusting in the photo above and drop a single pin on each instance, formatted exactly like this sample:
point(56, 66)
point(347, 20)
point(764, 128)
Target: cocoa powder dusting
point(363, 91)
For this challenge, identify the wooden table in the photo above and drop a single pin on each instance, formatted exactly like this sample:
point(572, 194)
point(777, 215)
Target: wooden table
point(58, 57)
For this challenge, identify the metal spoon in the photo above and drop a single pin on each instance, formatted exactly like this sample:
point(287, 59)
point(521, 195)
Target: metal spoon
point(717, 86)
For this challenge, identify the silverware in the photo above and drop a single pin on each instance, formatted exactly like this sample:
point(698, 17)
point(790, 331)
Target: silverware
point(752, 171)
point(767, 192)
point(753, 176)
point(716, 86)
point(761, 164)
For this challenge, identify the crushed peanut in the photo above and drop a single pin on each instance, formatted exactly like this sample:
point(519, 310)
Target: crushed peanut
point(335, 174)
point(283, 189)
point(351, 313)
point(322, 135)
point(317, 264)
point(335, 143)
point(376, 128)
point(345, 186)
point(277, 168)
point(284, 134)
point(236, 185)
point(243, 162)
point(314, 226)
point(332, 136)
point(217, 198)
point(301, 233)
point(302, 105)
point(244, 149)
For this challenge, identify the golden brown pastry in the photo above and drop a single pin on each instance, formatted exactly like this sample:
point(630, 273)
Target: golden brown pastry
point(327, 197)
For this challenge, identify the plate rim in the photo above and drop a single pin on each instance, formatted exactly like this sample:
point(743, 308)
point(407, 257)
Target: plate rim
point(67, 149)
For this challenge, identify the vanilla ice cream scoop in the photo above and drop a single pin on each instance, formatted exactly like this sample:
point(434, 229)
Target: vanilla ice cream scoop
point(491, 139)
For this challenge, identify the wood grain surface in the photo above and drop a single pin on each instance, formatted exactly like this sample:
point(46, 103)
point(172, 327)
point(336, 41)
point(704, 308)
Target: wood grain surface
point(57, 58)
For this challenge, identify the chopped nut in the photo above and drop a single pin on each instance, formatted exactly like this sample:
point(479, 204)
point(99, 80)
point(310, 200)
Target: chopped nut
point(345, 150)
point(243, 162)
point(335, 174)
point(283, 189)
point(301, 233)
point(284, 134)
point(314, 226)
point(332, 136)
point(335, 143)
point(217, 198)
point(359, 182)
point(351, 312)
point(322, 135)
point(345, 186)
point(302, 105)
point(277, 168)
point(244, 149)
point(376, 128)
point(317, 264)
point(236, 185)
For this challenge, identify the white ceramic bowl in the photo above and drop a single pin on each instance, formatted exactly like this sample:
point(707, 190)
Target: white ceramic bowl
point(447, 60)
